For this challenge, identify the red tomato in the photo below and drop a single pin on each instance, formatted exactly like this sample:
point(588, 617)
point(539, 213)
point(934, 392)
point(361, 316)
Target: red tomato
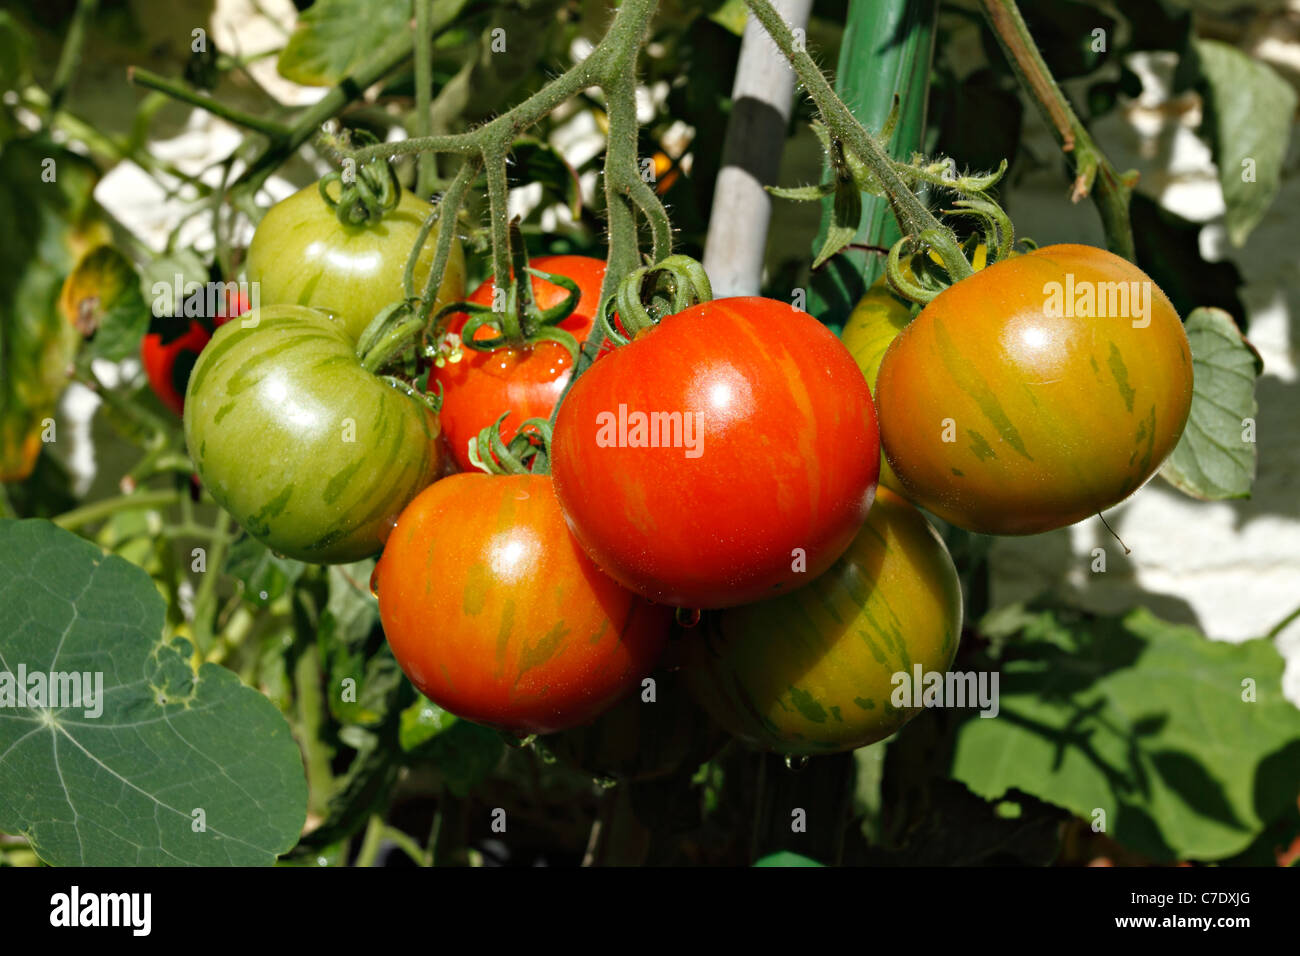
point(495, 613)
point(168, 361)
point(727, 454)
point(479, 386)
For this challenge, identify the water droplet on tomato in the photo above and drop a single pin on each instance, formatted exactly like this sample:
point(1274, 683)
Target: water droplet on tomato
point(688, 616)
point(374, 582)
point(795, 764)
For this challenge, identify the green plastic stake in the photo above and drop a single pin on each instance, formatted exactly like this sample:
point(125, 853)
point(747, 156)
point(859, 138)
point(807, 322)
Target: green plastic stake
point(887, 48)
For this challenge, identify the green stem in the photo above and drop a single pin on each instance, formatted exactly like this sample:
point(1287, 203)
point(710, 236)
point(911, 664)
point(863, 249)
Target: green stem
point(913, 217)
point(1111, 192)
point(205, 596)
point(1282, 625)
point(70, 56)
point(494, 162)
point(622, 40)
point(406, 845)
point(395, 51)
point(425, 169)
point(392, 342)
point(448, 212)
point(620, 169)
point(178, 91)
point(99, 510)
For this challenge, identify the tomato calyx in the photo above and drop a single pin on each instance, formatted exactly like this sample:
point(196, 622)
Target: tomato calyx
point(528, 452)
point(937, 260)
point(365, 196)
point(390, 333)
point(652, 292)
point(520, 323)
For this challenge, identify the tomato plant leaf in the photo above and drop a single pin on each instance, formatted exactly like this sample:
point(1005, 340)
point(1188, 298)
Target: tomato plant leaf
point(815, 192)
point(165, 763)
point(1248, 125)
point(731, 16)
point(102, 297)
point(45, 194)
point(1181, 747)
point(265, 575)
point(333, 37)
point(421, 722)
point(847, 210)
point(1215, 458)
point(15, 52)
point(463, 754)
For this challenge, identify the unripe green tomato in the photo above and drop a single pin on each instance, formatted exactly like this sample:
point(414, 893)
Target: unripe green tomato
point(1036, 392)
point(811, 671)
point(302, 255)
point(313, 455)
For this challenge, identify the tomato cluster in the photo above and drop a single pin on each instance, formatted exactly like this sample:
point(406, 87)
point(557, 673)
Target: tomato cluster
point(725, 458)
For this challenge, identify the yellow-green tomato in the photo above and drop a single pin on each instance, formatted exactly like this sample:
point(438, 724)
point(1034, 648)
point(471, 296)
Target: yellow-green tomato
point(813, 671)
point(875, 322)
point(302, 255)
point(313, 455)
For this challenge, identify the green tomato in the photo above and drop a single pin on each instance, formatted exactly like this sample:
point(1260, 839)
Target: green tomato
point(813, 671)
point(313, 455)
point(302, 255)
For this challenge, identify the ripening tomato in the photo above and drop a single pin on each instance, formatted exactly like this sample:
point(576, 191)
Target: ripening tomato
point(478, 386)
point(1036, 392)
point(721, 457)
point(168, 359)
point(875, 322)
point(313, 455)
point(495, 614)
point(813, 671)
point(302, 255)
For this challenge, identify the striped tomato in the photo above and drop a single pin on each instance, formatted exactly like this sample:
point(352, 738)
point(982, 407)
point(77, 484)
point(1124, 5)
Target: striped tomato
point(311, 454)
point(527, 382)
point(874, 323)
point(723, 456)
point(302, 255)
point(496, 615)
point(813, 671)
point(1036, 392)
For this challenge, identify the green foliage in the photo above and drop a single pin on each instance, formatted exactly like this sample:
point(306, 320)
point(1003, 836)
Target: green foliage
point(1215, 458)
point(1186, 745)
point(1248, 124)
point(203, 769)
point(265, 576)
point(47, 189)
point(333, 37)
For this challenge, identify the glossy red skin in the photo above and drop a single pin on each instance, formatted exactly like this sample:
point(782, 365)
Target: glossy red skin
point(495, 613)
point(789, 460)
point(526, 382)
point(159, 358)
